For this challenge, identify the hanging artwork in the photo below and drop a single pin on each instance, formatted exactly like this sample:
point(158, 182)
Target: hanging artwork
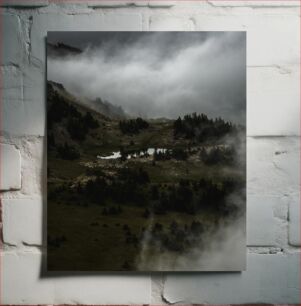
point(146, 143)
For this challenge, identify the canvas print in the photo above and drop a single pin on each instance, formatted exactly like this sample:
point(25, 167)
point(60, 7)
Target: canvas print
point(146, 151)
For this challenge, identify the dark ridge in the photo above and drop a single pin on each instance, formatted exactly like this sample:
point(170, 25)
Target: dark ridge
point(58, 85)
point(61, 49)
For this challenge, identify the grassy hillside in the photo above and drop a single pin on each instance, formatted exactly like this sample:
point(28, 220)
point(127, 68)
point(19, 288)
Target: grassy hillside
point(170, 186)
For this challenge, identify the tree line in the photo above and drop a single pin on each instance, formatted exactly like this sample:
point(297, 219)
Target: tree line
point(201, 128)
point(193, 196)
point(133, 186)
point(133, 126)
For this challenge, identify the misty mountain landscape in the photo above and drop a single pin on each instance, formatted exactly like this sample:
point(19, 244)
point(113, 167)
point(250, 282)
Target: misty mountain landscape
point(137, 187)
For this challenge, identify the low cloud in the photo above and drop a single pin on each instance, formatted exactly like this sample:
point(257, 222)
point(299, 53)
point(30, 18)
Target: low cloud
point(222, 248)
point(161, 74)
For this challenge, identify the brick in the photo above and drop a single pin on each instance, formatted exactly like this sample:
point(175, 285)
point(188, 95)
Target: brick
point(24, 102)
point(268, 33)
point(24, 3)
point(35, 101)
point(109, 4)
point(261, 223)
point(161, 4)
point(22, 283)
point(22, 221)
point(139, 3)
point(278, 89)
point(267, 221)
point(10, 168)
point(268, 279)
point(34, 167)
point(11, 77)
point(250, 3)
point(115, 4)
point(273, 166)
point(12, 97)
point(21, 280)
point(66, 7)
point(13, 45)
point(170, 23)
point(294, 221)
point(286, 159)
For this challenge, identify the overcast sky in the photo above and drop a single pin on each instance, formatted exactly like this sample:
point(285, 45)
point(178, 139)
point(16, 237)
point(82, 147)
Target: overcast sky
point(157, 74)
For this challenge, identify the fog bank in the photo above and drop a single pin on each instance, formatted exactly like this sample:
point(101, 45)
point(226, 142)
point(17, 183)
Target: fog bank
point(158, 74)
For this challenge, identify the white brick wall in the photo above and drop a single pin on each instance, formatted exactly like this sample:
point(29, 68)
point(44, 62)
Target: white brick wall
point(273, 182)
point(268, 279)
point(10, 172)
point(23, 222)
point(24, 284)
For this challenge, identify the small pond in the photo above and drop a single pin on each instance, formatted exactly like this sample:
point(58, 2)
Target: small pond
point(133, 154)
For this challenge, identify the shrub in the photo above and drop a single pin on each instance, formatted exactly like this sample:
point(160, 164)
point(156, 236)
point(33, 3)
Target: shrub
point(133, 126)
point(68, 152)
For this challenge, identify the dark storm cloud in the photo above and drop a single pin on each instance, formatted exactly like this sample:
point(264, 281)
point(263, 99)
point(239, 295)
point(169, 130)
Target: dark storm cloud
point(157, 74)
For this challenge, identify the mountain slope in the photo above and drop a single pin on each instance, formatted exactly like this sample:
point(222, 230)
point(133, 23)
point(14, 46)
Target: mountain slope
point(107, 109)
point(70, 123)
point(98, 105)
